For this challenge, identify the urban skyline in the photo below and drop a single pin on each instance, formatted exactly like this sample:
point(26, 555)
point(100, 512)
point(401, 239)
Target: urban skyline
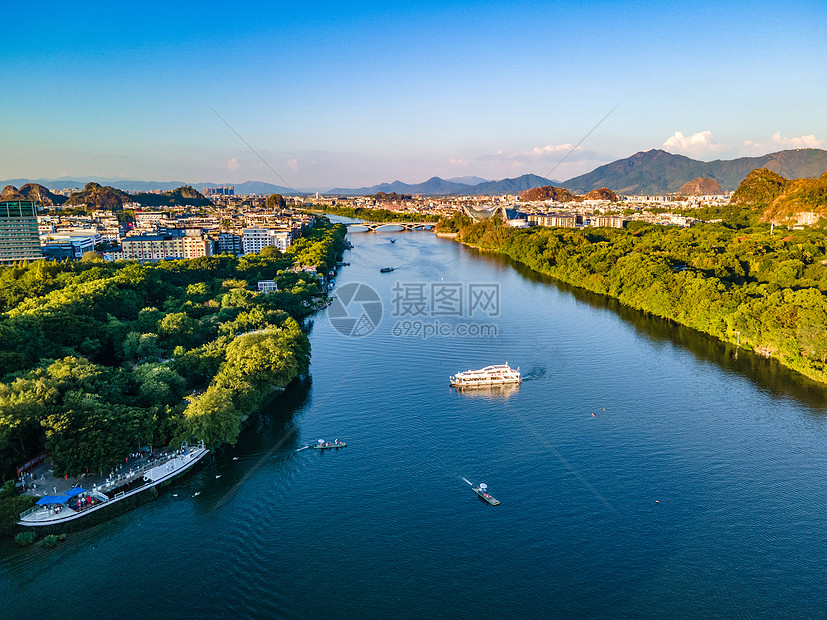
point(334, 95)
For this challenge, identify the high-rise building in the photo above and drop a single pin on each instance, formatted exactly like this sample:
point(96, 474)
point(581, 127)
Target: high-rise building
point(224, 190)
point(19, 239)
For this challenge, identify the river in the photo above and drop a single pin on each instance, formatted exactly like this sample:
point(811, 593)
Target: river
point(643, 470)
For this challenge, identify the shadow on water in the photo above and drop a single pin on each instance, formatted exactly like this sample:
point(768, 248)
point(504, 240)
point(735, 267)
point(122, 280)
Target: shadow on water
point(269, 426)
point(767, 374)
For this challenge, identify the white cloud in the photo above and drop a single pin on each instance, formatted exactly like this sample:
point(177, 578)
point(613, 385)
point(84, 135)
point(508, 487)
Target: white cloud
point(551, 148)
point(233, 164)
point(457, 161)
point(293, 164)
point(698, 142)
point(777, 140)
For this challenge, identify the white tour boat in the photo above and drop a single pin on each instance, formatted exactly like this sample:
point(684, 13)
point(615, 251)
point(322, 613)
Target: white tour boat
point(499, 374)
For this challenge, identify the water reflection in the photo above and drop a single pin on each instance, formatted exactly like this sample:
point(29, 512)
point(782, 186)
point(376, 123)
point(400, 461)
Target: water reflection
point(489, 392)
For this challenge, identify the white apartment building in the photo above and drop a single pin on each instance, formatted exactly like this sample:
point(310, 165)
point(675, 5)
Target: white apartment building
point(255, 239)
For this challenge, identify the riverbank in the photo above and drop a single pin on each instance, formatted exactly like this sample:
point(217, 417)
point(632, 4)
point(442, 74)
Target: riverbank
point(108, 357)
point(727, 446)
point(667, 273)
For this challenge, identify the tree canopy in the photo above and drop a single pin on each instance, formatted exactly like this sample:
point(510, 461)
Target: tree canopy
point(739, 284)
point(96, 357)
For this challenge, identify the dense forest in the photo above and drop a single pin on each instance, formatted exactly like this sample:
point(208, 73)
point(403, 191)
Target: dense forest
point(740, 284)
point(96, 358)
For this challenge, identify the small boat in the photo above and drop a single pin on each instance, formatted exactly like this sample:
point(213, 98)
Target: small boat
point(386, 269)
point(328, 445)
point(481, 490)
point(490, 375)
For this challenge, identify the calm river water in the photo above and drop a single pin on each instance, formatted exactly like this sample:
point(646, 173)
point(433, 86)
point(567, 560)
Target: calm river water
point(643, 470)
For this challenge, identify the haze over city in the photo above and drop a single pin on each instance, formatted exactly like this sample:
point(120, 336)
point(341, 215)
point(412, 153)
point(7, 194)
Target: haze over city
point(334, 94)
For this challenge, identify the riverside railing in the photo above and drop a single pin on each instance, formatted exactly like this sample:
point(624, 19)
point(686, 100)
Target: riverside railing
point(125, 477)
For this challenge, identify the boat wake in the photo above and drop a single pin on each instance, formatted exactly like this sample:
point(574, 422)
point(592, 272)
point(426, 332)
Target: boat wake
point(467, 480)
point(534, 373)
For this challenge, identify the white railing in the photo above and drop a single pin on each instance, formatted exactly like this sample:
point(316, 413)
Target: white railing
point(131, 475)
point(121, 479)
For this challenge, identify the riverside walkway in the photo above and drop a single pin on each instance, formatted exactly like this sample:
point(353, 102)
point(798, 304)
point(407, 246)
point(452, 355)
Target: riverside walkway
point(41, 480)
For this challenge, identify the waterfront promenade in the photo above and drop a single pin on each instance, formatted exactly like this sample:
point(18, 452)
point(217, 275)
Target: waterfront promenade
point(41, 480)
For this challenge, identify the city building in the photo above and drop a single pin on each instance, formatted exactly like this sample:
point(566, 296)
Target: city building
point(267, 286)
point(148, 218)
point(166, 247)
point(113, 254)
point(256, 239)
point(565, 220)
point(612, 221)
point(19, 238)
point(229, 242)
point(71, 245)
point(224, 190)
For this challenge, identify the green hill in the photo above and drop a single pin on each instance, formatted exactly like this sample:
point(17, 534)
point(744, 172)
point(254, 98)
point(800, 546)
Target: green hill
point(547, 192)
point(760, 188)
point(42, 195)
point(782, 201)
point(180, 197)
point(98, 197)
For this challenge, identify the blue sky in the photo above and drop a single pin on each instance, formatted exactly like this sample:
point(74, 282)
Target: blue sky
point(350, 94)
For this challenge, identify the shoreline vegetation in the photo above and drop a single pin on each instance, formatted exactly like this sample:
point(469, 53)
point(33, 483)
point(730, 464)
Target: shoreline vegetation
point(759, 291)
point(96, 358)
point(736, 280)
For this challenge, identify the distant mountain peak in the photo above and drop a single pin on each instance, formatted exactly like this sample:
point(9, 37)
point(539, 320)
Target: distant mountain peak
point(468, 180)
point(659, 172)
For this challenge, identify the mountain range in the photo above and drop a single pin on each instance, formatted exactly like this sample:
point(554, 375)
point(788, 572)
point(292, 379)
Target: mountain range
point(436, 186)
point(659, 172)
point(647, 172)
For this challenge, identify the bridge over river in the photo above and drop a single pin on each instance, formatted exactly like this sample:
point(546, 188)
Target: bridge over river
point(374, 226)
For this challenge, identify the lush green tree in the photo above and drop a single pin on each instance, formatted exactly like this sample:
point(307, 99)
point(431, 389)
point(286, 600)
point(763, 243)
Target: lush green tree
point(11, 505)
point(178, 329)
point(66, 330)
point(276, 201)
point(138, 346)
point(211, 417)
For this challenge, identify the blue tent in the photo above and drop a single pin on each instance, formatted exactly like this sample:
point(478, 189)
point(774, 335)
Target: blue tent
point(74, 491)
point(52, 499)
